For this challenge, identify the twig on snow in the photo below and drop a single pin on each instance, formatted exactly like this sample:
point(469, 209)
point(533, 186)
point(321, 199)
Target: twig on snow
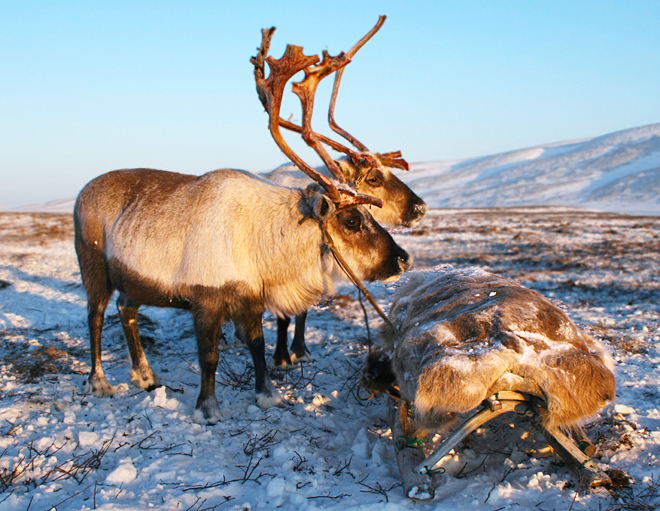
point(378, 489)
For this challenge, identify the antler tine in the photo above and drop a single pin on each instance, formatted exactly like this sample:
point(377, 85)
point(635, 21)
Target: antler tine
point(306, 90)
point(327, 141)
point(335, 89)
point(394, 160)
point(270, 93)
point(259, 61)
point(259, 73)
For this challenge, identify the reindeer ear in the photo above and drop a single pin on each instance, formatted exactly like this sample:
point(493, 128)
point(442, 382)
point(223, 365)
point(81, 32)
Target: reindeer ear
point(323, 206)
point(350, 172)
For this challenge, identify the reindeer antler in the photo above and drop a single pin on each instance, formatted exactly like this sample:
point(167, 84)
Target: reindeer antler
point(270, 93)
point(335, 88)
point(392, 159)
point(364, 158)
point(305, 90)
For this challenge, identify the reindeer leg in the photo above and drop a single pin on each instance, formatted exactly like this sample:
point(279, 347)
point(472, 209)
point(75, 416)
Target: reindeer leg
point(281, 357)
point(208, 323)
point(222, 341)
point(240, 340)
point(141, 373)
point(98, 288)
point(298, 346)
point(97, 383)
point(265, 393)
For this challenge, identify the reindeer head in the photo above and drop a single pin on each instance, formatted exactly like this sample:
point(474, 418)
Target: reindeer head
point(362, 176)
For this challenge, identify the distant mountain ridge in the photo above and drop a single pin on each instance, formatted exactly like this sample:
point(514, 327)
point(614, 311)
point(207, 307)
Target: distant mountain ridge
point(618, 172)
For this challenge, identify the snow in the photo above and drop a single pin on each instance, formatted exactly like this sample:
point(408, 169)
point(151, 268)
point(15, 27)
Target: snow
point(324, 449)
point(125, 473)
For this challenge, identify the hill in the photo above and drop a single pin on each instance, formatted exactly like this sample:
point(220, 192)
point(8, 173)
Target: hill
point(619, 172)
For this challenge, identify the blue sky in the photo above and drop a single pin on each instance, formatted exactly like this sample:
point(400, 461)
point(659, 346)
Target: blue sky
point(91, 86)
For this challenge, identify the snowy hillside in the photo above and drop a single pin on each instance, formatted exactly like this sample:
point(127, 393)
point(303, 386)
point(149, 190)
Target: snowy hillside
point(619, 172)
point(54, 206)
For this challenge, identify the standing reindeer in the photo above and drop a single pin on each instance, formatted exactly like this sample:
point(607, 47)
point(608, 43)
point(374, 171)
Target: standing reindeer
point(225, 245)
point(365, 172)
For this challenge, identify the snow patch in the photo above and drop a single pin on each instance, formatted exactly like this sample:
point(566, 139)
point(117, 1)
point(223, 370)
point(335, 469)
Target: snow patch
point(125, 473)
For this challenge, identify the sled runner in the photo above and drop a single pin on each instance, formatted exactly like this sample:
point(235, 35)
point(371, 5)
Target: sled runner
point(420, 474)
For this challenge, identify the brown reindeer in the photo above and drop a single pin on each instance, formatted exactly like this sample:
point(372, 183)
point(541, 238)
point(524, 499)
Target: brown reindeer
point(225, 245)
point(365, 172)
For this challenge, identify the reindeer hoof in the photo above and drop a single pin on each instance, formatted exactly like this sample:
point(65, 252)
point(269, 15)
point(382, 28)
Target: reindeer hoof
point(99, 387)
point(207, 412)
point(304, 357)
point(146, 380)
point(282, 361)
point(421, 492)
point(264, 400)
point(222, 342)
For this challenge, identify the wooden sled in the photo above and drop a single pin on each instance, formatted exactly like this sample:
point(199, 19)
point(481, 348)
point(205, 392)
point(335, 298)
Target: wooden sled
point(420, 474)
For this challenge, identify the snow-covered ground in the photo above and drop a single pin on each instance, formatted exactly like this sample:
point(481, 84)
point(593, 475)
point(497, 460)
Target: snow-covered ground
point(326, 449)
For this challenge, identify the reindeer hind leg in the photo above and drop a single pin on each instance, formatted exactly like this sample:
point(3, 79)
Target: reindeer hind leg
point(141, 373)
point(281, 358)
point(98, 289)
point(265, 393)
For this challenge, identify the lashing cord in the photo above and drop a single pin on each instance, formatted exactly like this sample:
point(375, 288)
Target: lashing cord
point(353, 278)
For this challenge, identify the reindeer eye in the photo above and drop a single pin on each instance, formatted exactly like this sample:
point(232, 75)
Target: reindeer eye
point(375, 182)
point(374, 179)
point(352, 223)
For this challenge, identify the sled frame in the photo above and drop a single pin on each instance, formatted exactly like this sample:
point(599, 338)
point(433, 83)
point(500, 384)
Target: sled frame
point(418, 471)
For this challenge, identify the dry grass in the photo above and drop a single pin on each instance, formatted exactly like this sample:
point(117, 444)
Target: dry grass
point(35, 227)
point(43, 361)
point(631, 497)
point(27, 469)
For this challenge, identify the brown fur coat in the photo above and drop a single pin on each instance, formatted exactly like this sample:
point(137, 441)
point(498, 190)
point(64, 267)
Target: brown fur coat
point(468, 334)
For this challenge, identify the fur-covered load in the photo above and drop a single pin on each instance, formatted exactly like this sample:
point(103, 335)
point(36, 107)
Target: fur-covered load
point(467, 334)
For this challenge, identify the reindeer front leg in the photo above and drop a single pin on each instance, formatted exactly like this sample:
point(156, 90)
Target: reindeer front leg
point(265, 393)
point(208, 324)
point(281, 358)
